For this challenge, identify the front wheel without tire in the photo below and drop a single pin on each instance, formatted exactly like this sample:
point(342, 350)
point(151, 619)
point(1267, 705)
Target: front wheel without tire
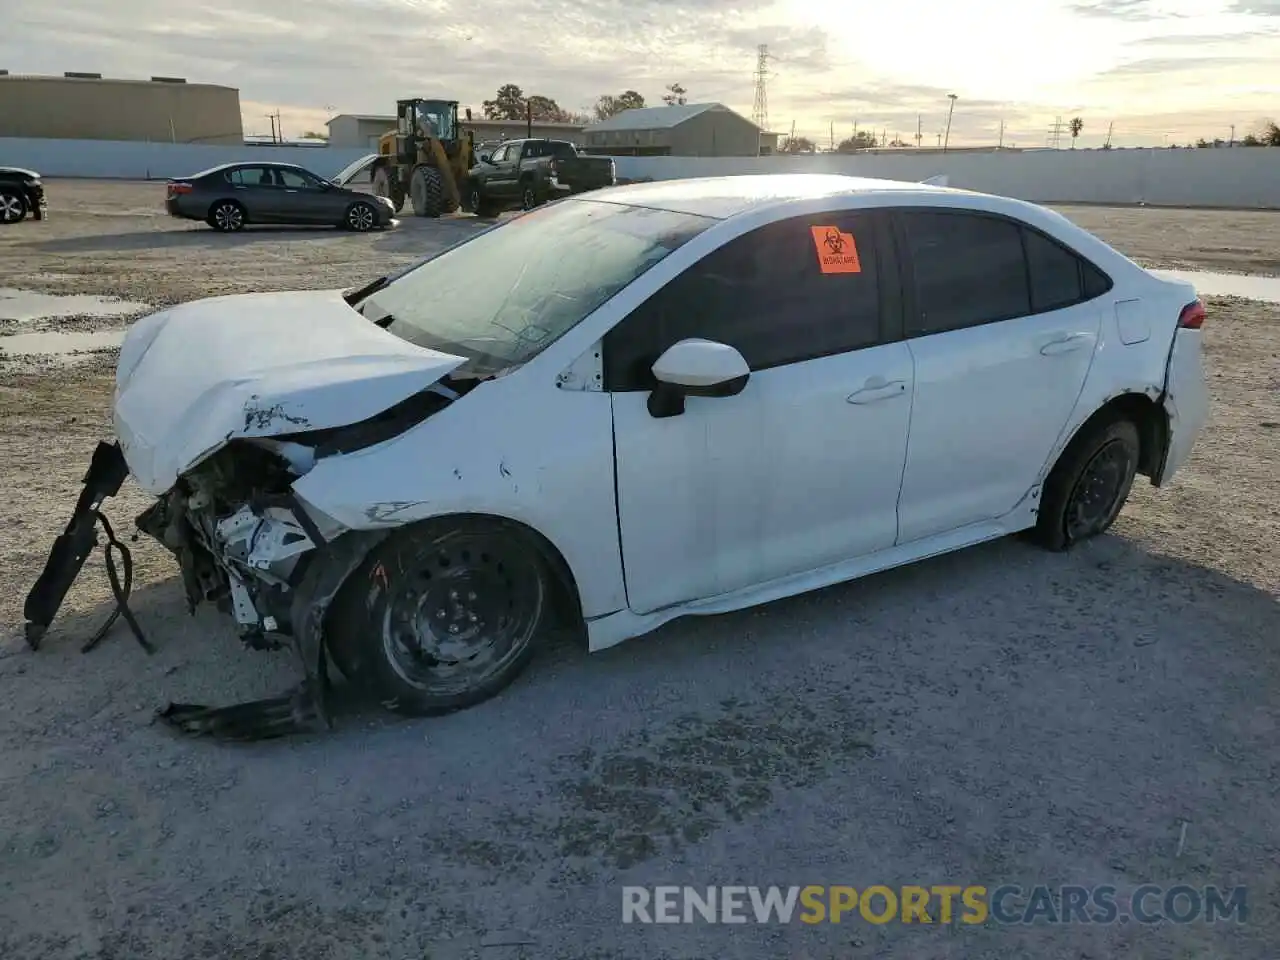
point(13, 206)
point(528, 196)
point(226, 216)
point(442, 615)
point(1089, 484)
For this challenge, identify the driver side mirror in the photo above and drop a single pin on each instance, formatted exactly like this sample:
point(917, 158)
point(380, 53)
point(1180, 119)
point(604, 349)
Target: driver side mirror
point(484, 157)
point(696, 368)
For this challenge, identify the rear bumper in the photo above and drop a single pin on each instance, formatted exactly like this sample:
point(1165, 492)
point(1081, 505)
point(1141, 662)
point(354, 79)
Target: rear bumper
point(1186, 401)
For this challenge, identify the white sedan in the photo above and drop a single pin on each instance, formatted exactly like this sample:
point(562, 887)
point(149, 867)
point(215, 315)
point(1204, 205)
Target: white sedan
point(671, 398)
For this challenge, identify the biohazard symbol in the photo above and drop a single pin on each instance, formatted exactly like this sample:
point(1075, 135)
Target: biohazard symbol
point(837, 251)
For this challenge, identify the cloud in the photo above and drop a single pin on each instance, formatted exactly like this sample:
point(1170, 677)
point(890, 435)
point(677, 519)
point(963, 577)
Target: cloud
point(1261, 8)
point(310, 59)
point(1133, 10)
point(1159, 65)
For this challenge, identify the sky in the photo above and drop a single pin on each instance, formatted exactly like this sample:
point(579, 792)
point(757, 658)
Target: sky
point(1157, 71)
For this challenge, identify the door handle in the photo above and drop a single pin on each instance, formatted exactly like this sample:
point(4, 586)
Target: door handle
point(878, 392)
point(291, 191)
point(1065, 344)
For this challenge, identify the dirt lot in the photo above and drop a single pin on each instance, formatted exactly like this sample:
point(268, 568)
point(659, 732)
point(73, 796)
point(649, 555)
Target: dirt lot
point(1001, 715)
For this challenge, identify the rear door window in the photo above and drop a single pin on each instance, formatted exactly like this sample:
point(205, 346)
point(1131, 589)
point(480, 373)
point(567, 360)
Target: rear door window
point(969, 270)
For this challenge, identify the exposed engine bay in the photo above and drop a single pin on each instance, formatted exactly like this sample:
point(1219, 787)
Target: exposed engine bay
point(245, 543)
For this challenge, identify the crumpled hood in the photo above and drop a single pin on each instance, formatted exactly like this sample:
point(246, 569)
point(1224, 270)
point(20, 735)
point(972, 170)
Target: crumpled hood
point(196, 376)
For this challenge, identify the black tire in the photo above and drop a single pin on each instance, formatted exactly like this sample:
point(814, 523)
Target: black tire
point(383, 186)
point(360, 217)
point(1089, 484)
point(13, 206)
point(478, 204)
point(528, 195)
point(426, 191)
point(483, 581)
point(227, 216)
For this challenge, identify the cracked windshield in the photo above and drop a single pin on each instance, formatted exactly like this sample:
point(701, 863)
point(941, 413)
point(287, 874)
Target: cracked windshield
point(506, 295)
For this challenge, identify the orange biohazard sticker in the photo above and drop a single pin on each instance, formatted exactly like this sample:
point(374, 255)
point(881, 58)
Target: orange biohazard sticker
point(837, 251)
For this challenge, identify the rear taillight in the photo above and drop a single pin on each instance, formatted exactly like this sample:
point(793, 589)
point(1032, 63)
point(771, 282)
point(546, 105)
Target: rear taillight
point(177, 188)
point(1192, 316)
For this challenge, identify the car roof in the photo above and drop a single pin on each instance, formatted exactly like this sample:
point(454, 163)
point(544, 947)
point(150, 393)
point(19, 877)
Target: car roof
point(245, 163)
point(724, 197)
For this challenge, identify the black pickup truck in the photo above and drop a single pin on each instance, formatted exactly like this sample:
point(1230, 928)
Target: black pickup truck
point(525, 173)
point(21, 193)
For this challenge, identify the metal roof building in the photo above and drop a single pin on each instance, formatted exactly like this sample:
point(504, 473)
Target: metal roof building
point(681, 130)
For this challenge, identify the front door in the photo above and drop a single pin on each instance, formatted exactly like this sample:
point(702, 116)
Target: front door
point(802, 468)
point(1003, 330)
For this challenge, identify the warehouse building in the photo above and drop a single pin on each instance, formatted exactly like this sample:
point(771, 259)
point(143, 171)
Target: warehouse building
point(85, 106)
point(356, 131)
point(681, 130)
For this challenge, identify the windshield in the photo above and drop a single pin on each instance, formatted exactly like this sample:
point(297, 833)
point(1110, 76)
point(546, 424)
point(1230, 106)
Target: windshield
point(504, 296)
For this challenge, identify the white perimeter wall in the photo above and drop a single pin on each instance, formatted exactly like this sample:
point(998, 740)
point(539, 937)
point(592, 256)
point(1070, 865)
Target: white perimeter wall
point(133, 160)
point(1240, 177)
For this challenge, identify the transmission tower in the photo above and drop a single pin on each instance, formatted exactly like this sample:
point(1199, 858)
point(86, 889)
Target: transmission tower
point(1055, 133)
point(760, 112)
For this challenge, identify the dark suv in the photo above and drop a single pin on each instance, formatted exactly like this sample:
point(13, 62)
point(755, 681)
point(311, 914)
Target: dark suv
point(21, 193)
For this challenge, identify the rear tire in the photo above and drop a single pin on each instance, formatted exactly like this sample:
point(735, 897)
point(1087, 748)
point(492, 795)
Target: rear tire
point(442, 615)
point(1089, 484)
point(528, 195)
point(227, 216)
point(426, 191)
point(13, 206)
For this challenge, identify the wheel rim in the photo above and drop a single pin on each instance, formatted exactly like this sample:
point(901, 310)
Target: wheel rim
point(528, 199)
point(10, 207)
point(1095, 499)
point(228, 217)
point(360, 217)
point(461, 613)
point(474, 200)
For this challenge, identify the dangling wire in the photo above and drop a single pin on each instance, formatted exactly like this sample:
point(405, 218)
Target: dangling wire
point(121, 586)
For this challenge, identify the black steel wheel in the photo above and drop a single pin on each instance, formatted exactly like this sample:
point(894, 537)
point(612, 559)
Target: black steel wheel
point(1089, 485)
point(13, 206)
point(226, 216)
point(442, 615)
point(360, 217)
point(528, 196)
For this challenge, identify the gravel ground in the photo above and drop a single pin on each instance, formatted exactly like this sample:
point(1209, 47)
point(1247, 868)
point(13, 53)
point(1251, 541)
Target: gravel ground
point(1001, 715)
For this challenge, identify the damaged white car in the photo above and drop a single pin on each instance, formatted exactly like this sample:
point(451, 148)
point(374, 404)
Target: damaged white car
point(663, 399)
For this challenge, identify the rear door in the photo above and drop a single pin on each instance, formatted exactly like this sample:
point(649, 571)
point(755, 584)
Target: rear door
point(1002, 327)
point(253, 187)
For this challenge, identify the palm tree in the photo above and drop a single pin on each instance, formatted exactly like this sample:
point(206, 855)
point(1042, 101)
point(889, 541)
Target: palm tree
point(1075, 126)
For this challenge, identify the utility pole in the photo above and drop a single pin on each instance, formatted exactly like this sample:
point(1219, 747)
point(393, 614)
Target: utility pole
point(831, 137)
point(1111, 126)
point(918, 129)
point(950, 110)
point(1000, 145)
point(1232, 141)
point(939, 138)
point(1055, 133)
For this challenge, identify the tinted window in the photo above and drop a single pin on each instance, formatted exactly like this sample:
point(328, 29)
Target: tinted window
point(499, 155)
point(248, 176)
point(563, 151)
point(968, 270)
point(1055, 273)
point(295, 179)
point(1096, 283)
point(787, 292)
